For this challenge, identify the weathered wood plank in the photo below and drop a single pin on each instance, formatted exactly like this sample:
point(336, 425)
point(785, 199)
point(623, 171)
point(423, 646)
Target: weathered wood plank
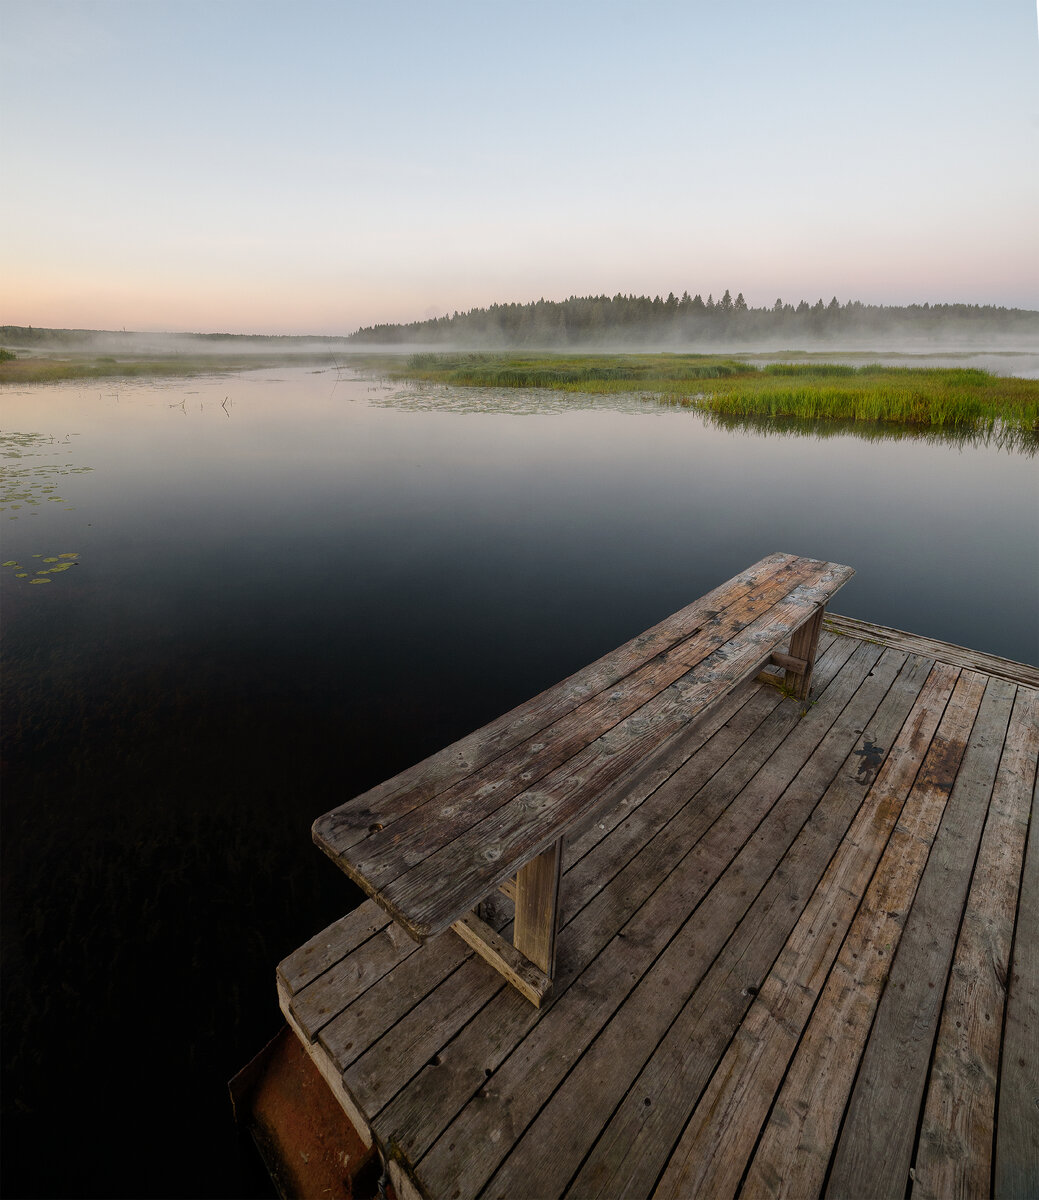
point(426, 897)
point(636, 1143)
point(880, 1123)
point(957, 656)
point(803, 645)
point(326, 948)
point(796, 1144)
point(954, 1154)
point(314, 1006)
point(536, 919)
point(328, 1070)
point(389, 848)
point(620, 801)
point(396, 796)
point(1017, 1122)
point(711, 1156)
point(517, 1089)
point(528, 979)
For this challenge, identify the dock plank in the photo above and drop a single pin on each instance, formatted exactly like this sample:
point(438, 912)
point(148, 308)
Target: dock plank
point(954, 1154)
point(1017, 1122)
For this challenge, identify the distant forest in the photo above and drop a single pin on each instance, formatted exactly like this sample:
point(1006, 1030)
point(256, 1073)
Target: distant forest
point(691, 320)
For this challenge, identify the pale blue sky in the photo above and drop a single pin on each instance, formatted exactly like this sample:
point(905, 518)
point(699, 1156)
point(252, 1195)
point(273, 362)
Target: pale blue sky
point(317, 166)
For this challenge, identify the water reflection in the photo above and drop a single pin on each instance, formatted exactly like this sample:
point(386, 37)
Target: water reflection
point(277, 610)
point(1016, 441)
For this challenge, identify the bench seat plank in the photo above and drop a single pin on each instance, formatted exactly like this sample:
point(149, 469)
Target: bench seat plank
point(430, 844)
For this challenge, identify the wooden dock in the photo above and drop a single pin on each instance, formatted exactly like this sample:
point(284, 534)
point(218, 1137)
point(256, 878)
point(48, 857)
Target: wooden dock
point(800, 957)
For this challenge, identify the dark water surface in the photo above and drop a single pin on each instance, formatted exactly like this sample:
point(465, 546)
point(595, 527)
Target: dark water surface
point(288, 586)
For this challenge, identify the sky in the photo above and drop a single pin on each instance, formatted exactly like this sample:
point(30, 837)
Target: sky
point(312, 167)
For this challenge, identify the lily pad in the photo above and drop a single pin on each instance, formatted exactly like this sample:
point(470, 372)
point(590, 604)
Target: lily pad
point(44, 580)
point(21, 575)
point(74, 554)
point(54, 559)
point(11, 563)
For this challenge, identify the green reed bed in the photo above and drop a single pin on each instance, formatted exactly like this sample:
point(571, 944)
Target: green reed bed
point(949, 398)
point(52, 370)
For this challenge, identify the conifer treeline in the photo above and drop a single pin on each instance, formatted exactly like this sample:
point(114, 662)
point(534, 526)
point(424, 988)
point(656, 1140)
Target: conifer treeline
point(684, 320)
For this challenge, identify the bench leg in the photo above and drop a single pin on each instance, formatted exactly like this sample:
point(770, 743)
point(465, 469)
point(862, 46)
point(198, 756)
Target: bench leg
point(537, 908)
point(803, 645)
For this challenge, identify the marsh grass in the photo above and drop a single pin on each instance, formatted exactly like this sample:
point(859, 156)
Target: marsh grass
point(924, 398)
point(51, 370)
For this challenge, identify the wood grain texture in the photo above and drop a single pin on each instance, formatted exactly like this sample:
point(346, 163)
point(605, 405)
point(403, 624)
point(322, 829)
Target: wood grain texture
point(512, 964)
point(536, 920)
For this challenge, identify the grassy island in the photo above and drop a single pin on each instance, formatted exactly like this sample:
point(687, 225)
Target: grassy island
point(953, 398)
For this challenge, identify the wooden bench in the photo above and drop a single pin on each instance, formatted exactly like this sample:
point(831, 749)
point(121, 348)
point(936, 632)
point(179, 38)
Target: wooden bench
point(490, 811)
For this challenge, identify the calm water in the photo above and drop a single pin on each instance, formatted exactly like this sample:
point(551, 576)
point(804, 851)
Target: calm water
point(288, 586)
